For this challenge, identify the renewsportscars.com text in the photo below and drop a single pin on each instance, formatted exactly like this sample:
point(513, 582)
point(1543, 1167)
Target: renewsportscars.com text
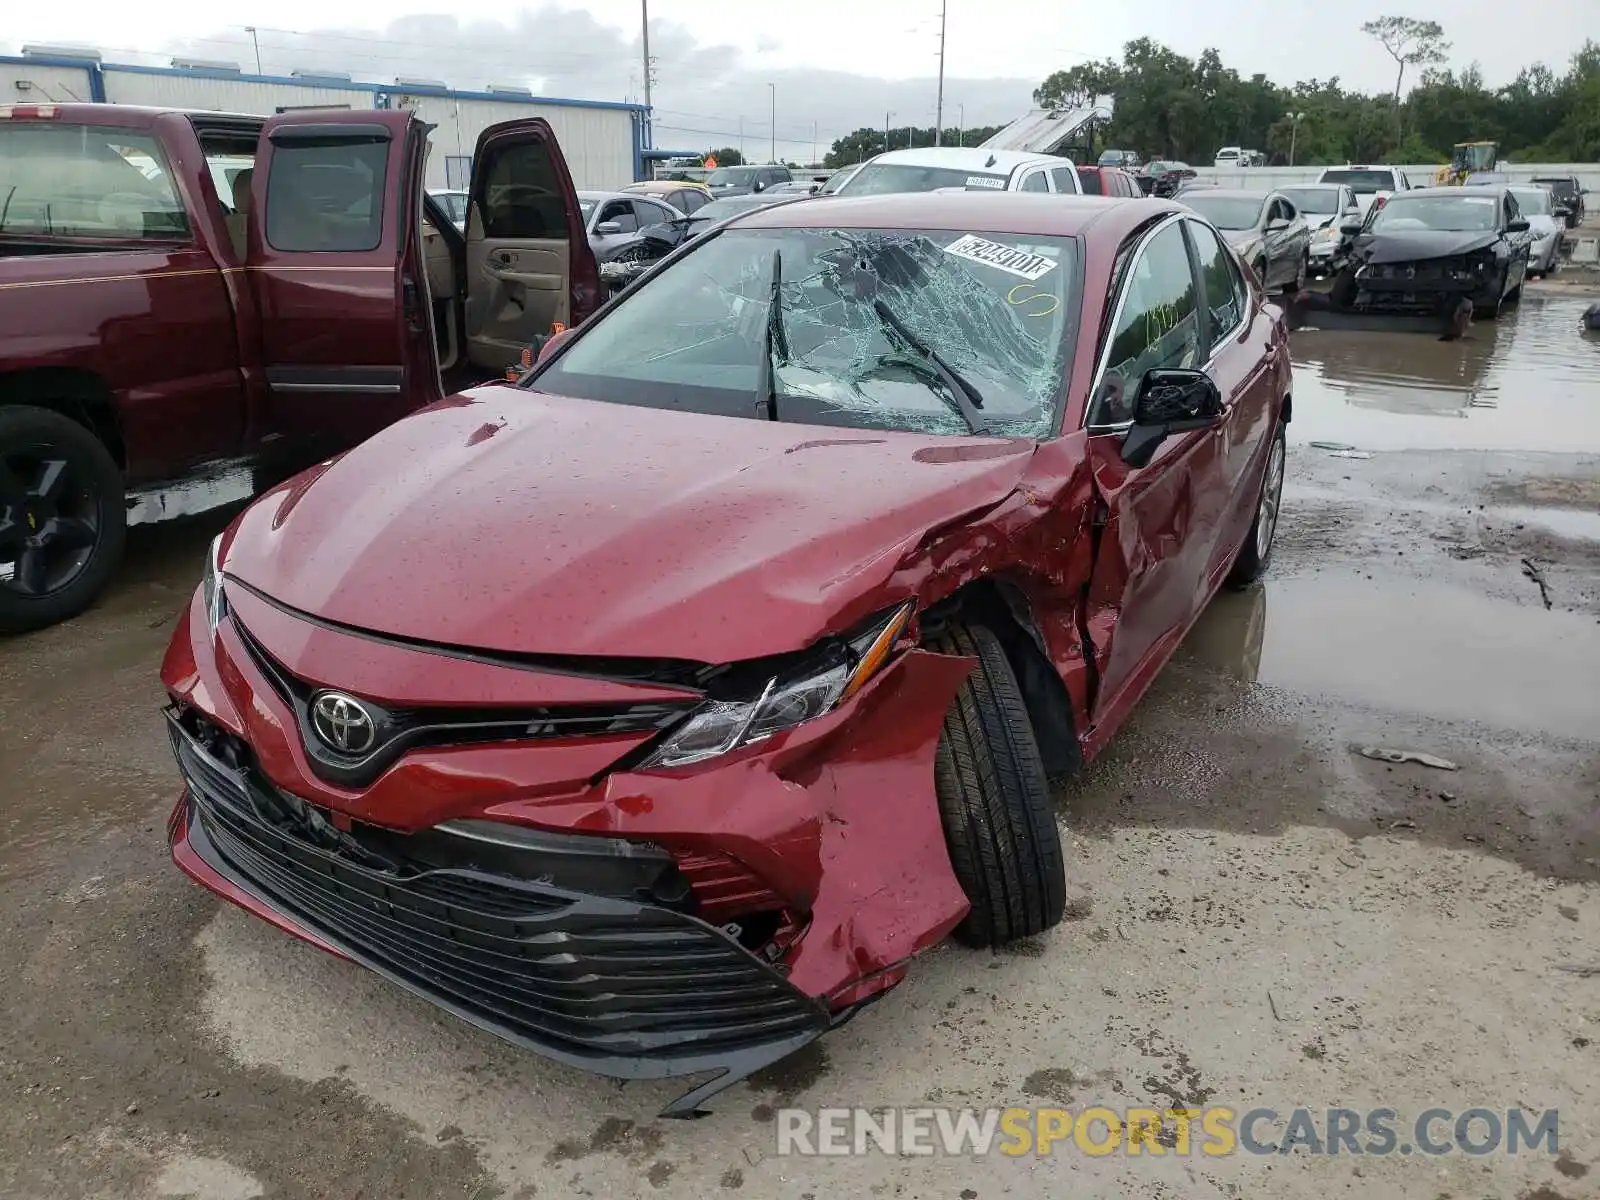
point(1212, 1131)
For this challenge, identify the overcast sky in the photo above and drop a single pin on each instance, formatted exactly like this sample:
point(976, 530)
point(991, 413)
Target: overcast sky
point(841, 66)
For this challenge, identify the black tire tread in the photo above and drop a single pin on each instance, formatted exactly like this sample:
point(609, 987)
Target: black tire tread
point(994, 800)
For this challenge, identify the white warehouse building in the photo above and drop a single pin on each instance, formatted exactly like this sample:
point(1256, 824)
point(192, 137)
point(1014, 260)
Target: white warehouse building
point(604, 141)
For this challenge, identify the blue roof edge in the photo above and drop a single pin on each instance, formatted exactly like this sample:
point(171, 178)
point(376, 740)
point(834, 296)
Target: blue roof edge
point(322, 83)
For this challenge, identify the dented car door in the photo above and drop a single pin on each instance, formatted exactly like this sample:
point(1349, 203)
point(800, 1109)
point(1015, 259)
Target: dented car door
point(1154, 523)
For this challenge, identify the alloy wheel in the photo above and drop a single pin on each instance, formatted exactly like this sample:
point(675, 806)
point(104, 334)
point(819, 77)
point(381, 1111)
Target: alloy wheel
point(49, 520)
point(1271, 498)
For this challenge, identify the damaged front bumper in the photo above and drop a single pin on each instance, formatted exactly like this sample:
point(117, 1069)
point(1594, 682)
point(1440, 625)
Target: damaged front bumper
point(763, 899)
point(1431, 286)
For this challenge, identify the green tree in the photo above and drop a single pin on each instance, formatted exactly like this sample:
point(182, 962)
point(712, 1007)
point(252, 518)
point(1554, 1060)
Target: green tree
point(1409, 42)
point(728, 156)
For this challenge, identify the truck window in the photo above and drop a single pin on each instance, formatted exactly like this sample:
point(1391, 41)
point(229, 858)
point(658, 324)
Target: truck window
point(87, 181)
point(522, 195)
point(327, 196)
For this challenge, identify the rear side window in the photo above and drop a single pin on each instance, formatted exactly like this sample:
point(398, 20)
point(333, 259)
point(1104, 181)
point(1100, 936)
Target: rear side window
point(522, 194)
point(1090, 181)
point(1035, 183)
point(86, 181)
point(1062, 178)
point(326, 196)
point(1226, 296)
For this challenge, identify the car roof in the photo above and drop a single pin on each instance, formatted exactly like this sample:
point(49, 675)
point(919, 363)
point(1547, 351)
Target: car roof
point(974, 158)
point(1321, 187)
point(663, 185)
point(1043, 215)
point(1238, 193)
point(593, 195)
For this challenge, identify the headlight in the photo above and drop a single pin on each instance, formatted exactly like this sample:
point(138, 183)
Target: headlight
point(211, 585)
point(1327, 233)
point(787, 700)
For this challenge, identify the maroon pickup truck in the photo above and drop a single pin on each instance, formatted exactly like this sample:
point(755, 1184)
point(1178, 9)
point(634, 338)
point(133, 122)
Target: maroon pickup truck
point(183, 288)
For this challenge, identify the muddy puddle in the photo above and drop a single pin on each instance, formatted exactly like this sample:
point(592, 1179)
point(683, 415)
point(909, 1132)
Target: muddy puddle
point(1527, 381)
point(1414, 647)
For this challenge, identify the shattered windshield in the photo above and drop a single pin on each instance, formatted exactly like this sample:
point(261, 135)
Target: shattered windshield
point(872, 329)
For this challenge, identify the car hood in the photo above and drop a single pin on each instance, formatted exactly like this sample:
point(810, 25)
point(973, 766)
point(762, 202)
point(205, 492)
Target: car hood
point(1418, 245)
point(513, 521)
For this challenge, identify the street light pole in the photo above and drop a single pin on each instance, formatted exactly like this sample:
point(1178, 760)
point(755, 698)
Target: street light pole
point(886, 117)
point(644, 26)
point(773, 88)
point(256, 42)
point(961, 125)
point(1294, 132)
point(938, 109)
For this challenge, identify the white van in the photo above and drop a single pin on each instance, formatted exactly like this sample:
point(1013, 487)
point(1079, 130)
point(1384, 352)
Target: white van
point(1228, 158)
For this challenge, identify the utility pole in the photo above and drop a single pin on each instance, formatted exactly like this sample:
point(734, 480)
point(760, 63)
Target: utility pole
point(644, 13)
point(256, 42)
point(773, 88)
point(961, 125)
point(886, 117)
point(741, 138)
point(1294, 132)
point(815, 161)
point(938, 110)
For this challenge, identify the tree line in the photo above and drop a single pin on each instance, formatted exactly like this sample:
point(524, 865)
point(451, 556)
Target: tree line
point(1169, 106)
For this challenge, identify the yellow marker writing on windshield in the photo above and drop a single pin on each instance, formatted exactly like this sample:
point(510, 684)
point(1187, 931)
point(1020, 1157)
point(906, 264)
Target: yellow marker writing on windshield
point(1016, 297)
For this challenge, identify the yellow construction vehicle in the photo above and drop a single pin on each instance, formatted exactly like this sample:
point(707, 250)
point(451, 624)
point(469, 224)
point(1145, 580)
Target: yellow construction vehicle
point(1467, 159)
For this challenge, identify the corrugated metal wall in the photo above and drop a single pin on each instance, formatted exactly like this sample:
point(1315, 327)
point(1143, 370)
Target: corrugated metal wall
point(166, 90)
point(44, 85)
point(597, 142)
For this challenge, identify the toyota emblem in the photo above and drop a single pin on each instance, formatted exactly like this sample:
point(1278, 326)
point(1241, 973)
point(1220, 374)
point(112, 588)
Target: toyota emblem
point(343, 723)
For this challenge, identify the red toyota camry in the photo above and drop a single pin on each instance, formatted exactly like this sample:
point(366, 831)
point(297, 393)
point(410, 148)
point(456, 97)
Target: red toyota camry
point(653, 712)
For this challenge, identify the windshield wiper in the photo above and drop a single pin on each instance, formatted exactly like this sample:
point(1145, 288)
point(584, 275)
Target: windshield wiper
point(962, 396)
point(773, 341)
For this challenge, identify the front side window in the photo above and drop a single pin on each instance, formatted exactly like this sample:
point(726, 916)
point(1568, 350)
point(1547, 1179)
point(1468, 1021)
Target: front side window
point(1158, 326)
point(326, 195)
point(1226, 294)
point(522, 194)
point(86, 181)
point(857, 313)
point(620, 213)
point(1089, 179)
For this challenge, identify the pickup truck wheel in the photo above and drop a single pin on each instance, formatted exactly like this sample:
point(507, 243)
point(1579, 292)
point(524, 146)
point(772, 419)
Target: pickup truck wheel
point(994, 800)
point(1256, 552)
point(62, 518)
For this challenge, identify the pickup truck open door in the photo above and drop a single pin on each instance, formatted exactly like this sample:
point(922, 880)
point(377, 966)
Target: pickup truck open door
point(363, 301)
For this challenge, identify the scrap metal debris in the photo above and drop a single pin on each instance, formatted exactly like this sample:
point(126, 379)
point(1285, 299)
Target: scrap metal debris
point(1386, 754)
point(1332, 446)
point(1581, 970)
point(1351, 454)
point(1533, 573)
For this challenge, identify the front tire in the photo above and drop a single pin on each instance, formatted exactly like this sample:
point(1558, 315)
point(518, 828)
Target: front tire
point(1256, 553)
point(63, 522)
point(994, 800)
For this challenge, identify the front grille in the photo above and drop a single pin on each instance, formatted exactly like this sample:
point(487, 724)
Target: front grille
point(401, 729)
point(588, 979)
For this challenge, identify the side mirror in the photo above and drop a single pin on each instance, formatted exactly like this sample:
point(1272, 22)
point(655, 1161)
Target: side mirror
point(1169, 401)
point(1518, 225)
point(608, 227)
point(1350, 227)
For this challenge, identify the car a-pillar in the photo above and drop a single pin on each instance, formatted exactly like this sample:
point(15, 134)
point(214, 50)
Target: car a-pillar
point(1007, 733)
point(63, 521)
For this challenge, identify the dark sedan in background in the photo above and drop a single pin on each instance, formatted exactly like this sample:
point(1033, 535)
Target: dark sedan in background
point(1425, 250)
point(1263, 227)
point(1161, 178)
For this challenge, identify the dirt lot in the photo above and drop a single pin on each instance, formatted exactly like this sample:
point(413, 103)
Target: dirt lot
point(1266, 917)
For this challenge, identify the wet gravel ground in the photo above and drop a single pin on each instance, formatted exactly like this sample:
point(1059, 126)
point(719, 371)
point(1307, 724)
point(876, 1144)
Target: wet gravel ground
point(1263, 917)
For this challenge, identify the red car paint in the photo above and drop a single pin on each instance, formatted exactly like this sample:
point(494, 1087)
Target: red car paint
point(180, 351)
point(579, 529)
